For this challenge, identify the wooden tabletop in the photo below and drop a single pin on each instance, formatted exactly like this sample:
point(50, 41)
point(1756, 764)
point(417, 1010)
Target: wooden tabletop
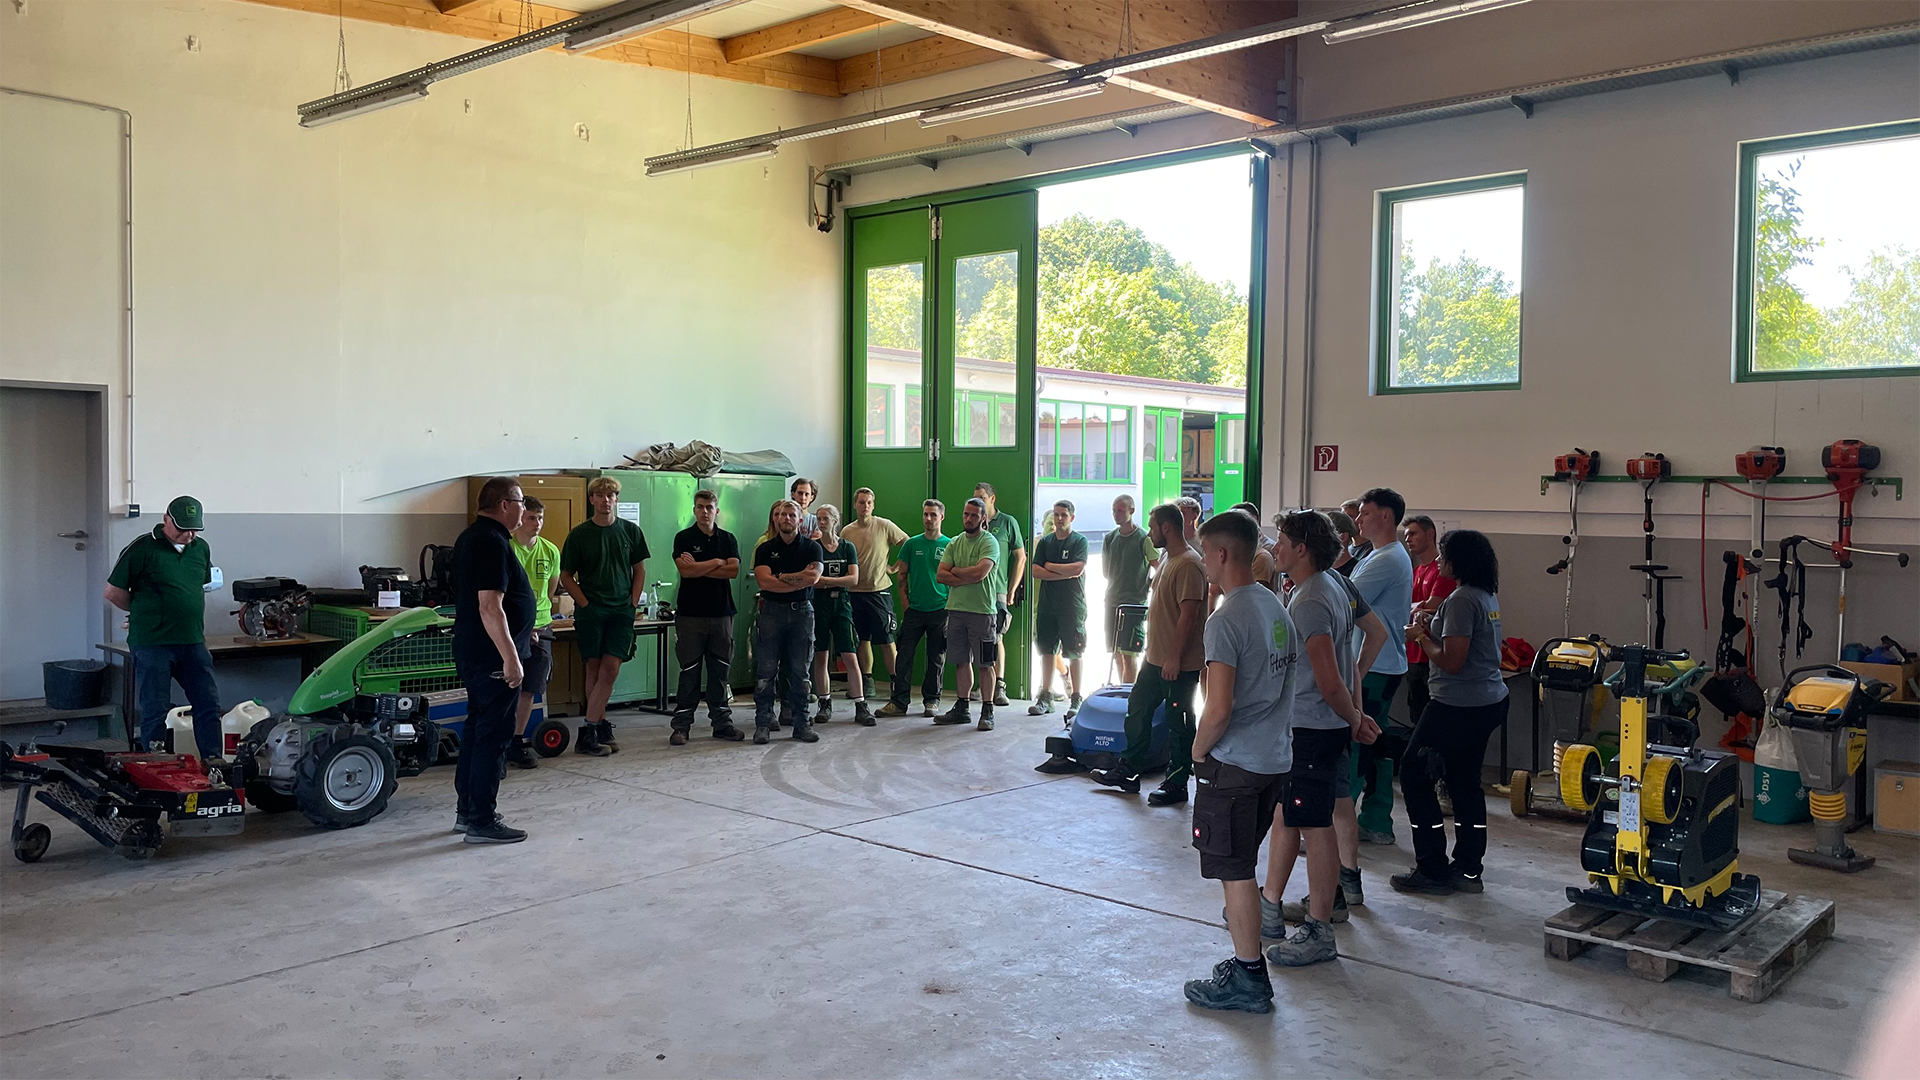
point(228, 644)
point(640, 622)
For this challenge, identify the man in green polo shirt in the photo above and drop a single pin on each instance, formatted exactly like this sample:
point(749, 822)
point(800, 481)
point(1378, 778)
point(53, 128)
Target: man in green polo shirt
point(926, 604)
point(1006, 577)
point(966, 569)
point(160, 581)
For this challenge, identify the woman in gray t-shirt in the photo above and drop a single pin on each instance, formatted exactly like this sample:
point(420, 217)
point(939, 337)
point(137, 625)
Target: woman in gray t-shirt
point(1462, 642)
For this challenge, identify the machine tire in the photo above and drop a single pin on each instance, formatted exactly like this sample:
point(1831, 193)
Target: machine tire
point(550, 738)
point(345, 781)
point(1580, 777)
point(1660, 789)
point(33, 842)
point(262, 797)
point(1520, 792)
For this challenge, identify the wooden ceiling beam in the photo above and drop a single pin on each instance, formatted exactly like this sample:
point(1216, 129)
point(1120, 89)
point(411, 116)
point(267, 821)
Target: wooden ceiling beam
point(673, 50)
point(911, 60)
point(800, 33)
point(1068, 33)
point(448, 7)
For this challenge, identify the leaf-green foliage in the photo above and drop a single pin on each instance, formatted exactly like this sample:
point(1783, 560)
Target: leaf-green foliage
point(894, 306)
point(1458, 323)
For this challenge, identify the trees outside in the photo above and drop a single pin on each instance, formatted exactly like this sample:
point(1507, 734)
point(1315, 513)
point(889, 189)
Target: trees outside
point(1457, 323)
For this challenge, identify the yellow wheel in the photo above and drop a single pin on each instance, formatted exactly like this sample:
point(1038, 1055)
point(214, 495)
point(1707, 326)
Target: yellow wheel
point(1580, 777)
point(1520, 792)
point(1660, 789)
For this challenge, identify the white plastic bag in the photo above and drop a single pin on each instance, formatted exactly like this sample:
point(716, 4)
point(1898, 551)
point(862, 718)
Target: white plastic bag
point(1774, 748)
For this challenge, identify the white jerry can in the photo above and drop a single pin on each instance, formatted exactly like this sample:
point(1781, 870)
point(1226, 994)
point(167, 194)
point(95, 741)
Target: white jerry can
point(233, 726)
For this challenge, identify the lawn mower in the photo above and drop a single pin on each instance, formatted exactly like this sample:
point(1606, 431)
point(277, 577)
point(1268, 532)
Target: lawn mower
point(1097, 735)
point(1662, 837)
point(1826, 710)
point(130, 802)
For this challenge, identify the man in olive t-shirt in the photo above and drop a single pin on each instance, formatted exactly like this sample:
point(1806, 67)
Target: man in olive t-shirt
point(1060, 616)
point(603, 567)
point(1126, 557)
point(1006, 578)
point(160, 581)
point(926, 617)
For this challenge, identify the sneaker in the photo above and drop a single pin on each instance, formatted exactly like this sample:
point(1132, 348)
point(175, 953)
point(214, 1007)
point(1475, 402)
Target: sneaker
point(588, 742)
point(1233, 987)
point(892, 709)
point(805, 733)
point(606, 737)
point(1000, 694)
point(1118, 777)
point(1413, 881)
point(1350, 888)
point(861, 714)
point(520, 756)
point(866, 687)
point(1298, 911)
point(930, 708)
point(495, 832)
point(761, 736)
point(1311, 944)
point(1042, 705)
point(1465, 882)
point(728, 733)
point(1168, 795)
point(1369, 836)
point(460, 824)
point(825, 712)
point(1073, 706)
point(678, 738)
point(986, 719)
point(955, 715)
point(1272, 923)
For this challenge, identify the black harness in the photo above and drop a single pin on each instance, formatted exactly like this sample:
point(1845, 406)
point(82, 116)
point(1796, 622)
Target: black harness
point(1792, 587)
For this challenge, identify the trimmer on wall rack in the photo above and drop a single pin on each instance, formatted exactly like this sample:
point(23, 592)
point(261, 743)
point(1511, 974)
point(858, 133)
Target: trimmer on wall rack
point(1573, 470)
point(1648, 470)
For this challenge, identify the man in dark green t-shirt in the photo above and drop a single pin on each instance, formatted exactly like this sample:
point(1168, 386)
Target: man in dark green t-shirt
point(160, 581)
point(1060, 616)
point(1005, 579)
point(603, 567)
point(918, 573)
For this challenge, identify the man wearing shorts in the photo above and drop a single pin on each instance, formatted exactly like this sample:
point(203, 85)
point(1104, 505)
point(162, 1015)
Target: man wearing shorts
point(967, 570)
point(603, 567)
point(541, 560)
point(1175, 654)
point(1125, 558)
point(1060, 616)
point(1242, 751)
point(925, 600)
point(708, 558)
point(874, 540)
point(1006, 579)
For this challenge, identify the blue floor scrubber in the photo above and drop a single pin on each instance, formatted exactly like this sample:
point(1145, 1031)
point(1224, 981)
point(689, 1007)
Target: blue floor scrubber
point(1097, 736)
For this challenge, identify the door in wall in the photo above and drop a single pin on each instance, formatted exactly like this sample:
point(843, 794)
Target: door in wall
point(1160, 459)
point(1229, 460)
point(46, 597)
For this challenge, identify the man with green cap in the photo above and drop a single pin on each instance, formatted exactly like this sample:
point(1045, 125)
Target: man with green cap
point(159, 581)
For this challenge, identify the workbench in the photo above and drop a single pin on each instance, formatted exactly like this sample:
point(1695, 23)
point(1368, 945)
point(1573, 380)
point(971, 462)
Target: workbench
point(644, 626)
point(309, 649)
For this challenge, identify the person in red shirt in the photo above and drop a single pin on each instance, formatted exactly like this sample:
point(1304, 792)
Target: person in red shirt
point(1430, 587)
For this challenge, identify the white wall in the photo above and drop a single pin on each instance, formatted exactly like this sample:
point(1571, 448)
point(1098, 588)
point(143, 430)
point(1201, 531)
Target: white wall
point(334, 321)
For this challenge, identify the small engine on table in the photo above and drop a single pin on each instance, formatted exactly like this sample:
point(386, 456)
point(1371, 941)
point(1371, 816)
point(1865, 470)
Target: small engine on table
point(271, 608)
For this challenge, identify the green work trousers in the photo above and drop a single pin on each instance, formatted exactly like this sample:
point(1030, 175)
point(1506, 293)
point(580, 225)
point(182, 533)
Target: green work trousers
point(1150, 689)
point(1371, 780)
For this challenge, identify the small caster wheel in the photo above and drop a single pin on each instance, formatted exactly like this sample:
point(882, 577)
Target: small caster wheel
point(32, 842)
point(550, 738)
point(1520, 793)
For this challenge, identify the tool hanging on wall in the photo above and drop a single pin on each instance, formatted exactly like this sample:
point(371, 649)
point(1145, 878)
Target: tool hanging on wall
point(1572, 470)
point(1791, 585)
point(1733, 689)
point(1847, 462)
point(1650, 469)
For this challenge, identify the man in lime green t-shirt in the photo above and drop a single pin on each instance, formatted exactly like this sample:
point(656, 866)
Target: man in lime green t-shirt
point(541, 560)
point(160, 581)
point(967, 570)
point(918, 572)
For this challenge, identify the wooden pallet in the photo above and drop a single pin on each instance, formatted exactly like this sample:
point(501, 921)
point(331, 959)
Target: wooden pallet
point(1759, 955)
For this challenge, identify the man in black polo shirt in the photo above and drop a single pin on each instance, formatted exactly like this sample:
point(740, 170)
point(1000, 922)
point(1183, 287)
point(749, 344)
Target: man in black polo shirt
point(785, 566)
point(708, 558)
point(493, 609)
point(159, 581)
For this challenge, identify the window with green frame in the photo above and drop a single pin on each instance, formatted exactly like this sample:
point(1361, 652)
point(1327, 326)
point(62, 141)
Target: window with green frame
point(1087, 442)
point(983, 418)
point(1828, 283)
point(1447, 286)
point(879, 414)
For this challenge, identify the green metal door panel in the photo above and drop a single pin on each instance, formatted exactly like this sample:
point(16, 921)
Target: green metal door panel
point(889, 303)
point(1160, 464)
point(984, 286)
point(1229, 460)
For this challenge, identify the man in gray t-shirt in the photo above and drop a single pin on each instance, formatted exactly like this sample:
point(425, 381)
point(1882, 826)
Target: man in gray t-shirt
point(1325, 604)
point(1251, 633)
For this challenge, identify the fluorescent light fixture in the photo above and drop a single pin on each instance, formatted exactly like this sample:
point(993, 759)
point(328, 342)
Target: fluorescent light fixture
point(718, 157)
point(360, 106)
point(1406, 18)
point(1005, 103)
point(635, 18)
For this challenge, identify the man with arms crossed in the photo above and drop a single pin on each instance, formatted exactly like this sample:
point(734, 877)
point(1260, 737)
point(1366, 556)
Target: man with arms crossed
point(1125, 558)
point(541, 560)
point(1060, 618)
point(1175, 653)
point(1384, 579)
point(925, 600)
point(492, 624)
point(1243, 752)
point(785, 567)
point(603, 567)
point(1013, 549)
point(708, 558)
point(1430, 586)
point(874, 540)
point(966, 569)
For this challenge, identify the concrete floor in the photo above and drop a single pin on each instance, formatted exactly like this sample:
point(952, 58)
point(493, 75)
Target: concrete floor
point(901, 901)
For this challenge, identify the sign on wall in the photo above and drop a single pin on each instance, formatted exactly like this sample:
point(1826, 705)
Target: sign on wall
point(1326, 459)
